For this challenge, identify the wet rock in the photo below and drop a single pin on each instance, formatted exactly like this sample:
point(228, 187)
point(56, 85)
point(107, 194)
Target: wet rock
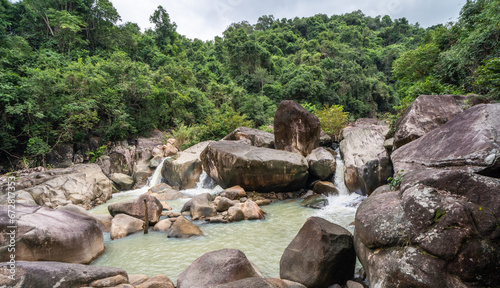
point(200, 207)
point(253, 168)
point(55, 274)
point(322, 163)
point(263, 202)
point(216, 268)
point(367, 164)
point(295, 129)
point(425, 114)
point(155, 162)
point(325, 188)
point(257, 137)
point(315, 201)
point(163, 225)
point(123, 225)
point(234, 193)
point(135, 208)
point(322, 254)
point(84, 185)
point(183, 228)
point(42, 235)
point(110, 281)
point(122, 181)
point(185, 170)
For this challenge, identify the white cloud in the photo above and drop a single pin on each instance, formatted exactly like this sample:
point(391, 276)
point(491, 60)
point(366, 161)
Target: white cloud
point(205, 19)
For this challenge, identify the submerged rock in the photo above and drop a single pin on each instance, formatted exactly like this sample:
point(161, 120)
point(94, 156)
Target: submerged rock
point(45, 234)
point(295, 129)
point(322, 254)
point(56, 274)
point(216, 268)
point(253, 168)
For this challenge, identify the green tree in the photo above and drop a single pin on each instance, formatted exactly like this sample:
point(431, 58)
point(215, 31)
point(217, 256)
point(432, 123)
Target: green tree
point(332, 120)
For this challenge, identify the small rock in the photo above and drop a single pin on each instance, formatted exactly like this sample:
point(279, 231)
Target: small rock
point(234, 193)
point(224, 204)
point(110, 281)
point(315, 201)
point(136, 279)
point(236, 214)
point(171, 214)
point(163, 225)
point(354, 284)
point(165, 206)
point(251, 210)
point(122, 181)
point(325, 188)
point(123, 225)
point(160, 281)
point(183, 228)
point(155, 162)
point(263, 202)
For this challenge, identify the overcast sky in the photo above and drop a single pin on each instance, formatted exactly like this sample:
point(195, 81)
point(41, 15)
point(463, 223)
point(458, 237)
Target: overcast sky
point(204, 19)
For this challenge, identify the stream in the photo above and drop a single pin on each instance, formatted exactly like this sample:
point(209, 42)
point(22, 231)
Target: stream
point(263, 241)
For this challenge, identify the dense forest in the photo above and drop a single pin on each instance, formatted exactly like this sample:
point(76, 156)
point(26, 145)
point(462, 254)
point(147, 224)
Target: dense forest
point(69, 71)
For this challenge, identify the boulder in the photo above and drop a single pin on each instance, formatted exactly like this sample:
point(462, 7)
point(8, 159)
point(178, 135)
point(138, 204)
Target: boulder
point(257, 137)
point(200, 206)
point(251, 210)
point(159, 281)
point(469, 139)
point(325, 188)
point(56, 274)
point(84, 185)
point(235, 214)
point(224, 204)
point(295, 129)
point(367, 163)
point(315, 201)
point(135, 208)
point(253, 168)
point(136, 279)
point(163, 225)
point(155, 162)
point(184, 170)
point(104, 221)
point(439, 230)
point(322, 163)
point(123, 225)
point(45, 234)
point(425, 114)
point(122, 181)
point(322, 254)
point(258, 282)
point(183, 228)
point(216, 268)
point(234, 193)
point(166, 150)
point(111, 281)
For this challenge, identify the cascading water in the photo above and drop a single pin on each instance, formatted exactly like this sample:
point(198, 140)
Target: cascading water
point(155, 254)
point(155, 179)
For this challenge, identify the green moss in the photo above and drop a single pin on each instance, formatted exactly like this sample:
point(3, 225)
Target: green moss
point(439, 214)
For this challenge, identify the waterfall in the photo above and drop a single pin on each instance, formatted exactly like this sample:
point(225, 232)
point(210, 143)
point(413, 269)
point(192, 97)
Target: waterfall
point(339, 175)
point(155, 179)
point(205, 184)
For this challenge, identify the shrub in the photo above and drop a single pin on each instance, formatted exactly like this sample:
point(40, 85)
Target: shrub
point(332, 119)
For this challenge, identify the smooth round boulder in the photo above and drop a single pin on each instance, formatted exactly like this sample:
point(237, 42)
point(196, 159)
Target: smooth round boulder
point(251, 210)
point(236, 214)
point(322, 163)
point(45, 234)
point(234, 193)
point(325, 188)
point(123, 225)
point(135, 208)
point(224, 204)
point(122, 181)
point(216, 268)
point(163, 226)
point(253, 168)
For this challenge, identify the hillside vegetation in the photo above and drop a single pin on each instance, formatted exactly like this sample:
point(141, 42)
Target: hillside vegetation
point(69, 71)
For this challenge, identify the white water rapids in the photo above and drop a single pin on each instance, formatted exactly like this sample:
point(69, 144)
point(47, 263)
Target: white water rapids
point(263, 241)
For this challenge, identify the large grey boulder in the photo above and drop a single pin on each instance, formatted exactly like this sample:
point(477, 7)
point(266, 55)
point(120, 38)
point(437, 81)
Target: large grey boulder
point(184, 170)
point(295, 129)
point(216, 268)
point(135, 208)
point(253, 168)
point(367, 164)
point(322, 254)
point(257, 137)
point(322, 163)
point(439, 230)
point(45, 234)
point(84, 185)
point(122, 181)
point(469, 139)
point(56, 274)
point(425, 114)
